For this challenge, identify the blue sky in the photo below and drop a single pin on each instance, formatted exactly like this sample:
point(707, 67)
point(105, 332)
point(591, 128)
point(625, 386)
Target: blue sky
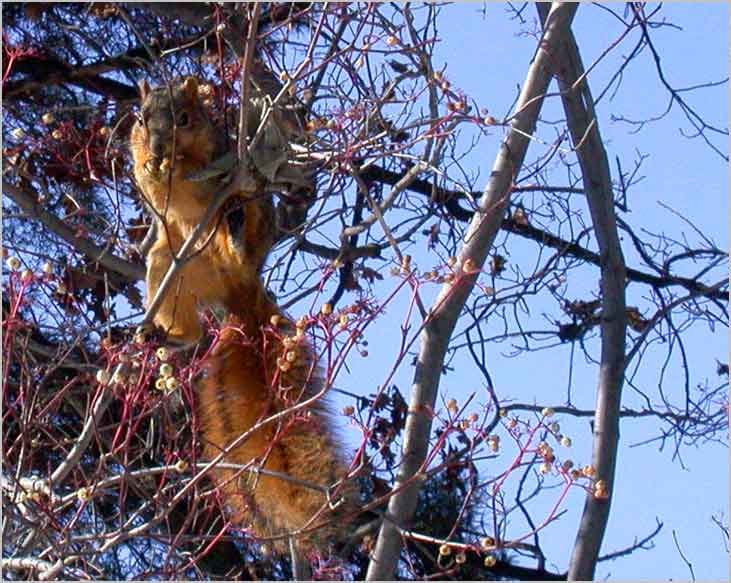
point(488, 59)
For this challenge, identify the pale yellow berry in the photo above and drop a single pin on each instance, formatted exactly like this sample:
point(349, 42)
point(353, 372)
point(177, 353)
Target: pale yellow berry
point(162, 353)
point(473, 417)
point(119, 377)
point(490, 561)
point(57, 134)
point(221, 27)
point(291, 356)
point(566, 441)
point(284, 76)
point(326, 309)
point(493, 443)
point(391, 41)
point(102, 376)
point(18, 133)
point(83, 494)
point(348, 410)
point(289, 342)
point(343, 321)
point(48, 118)
point(166, 370)
point(513, 423)
point(575, 474)
point(460, 558)
point(171, 383)
point(13, 263)
point(265, 550)
point(555, 427)
point(503, 412)
point(445, 550)
point(275, 319)
point(104, 131)
point(588, 471)
point(487, 542)
point(545, 468)
point(285, 366)
point(601, 494)
point(452, 406)
point(452, 261)
point(139, 339)
point(600, 490)
point(61, 288)
point(47, 268)
point(181, 466)
point(27, 275)
point(547, 412)
point(160, 384)
point(469, 266)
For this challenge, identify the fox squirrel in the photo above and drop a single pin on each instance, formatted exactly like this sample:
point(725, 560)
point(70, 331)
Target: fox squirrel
point(261, 364)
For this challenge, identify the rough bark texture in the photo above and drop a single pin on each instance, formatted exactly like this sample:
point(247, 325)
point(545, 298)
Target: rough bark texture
point(581, 120)
point(448, 306)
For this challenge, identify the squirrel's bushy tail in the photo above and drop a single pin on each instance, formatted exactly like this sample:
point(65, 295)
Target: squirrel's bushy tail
point(257, 371)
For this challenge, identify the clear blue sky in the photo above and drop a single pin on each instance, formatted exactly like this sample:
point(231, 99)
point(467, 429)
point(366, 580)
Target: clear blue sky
point(488, 59)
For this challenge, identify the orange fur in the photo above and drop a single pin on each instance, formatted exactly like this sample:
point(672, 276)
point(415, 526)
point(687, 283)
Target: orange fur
point(243, 381)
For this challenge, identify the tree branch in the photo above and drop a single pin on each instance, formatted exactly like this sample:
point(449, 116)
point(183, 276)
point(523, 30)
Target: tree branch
point(581, 119)
point(449, 199)
point(448, 306)
point(26, 201)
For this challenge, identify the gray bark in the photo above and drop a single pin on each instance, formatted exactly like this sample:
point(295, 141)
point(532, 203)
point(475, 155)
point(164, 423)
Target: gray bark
point(583, 126)
point(448, 306)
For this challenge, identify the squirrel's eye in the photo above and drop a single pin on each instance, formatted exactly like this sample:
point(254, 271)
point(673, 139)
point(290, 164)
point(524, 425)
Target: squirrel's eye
point(182, 120)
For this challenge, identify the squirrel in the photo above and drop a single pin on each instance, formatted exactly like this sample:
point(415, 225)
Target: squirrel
point(261, 364)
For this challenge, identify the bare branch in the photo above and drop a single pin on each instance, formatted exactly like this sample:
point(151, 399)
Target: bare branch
point(25, 200)
point(445, 312)
point(582, 123)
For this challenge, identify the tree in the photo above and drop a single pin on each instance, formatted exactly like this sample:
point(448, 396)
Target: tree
point(391, 228)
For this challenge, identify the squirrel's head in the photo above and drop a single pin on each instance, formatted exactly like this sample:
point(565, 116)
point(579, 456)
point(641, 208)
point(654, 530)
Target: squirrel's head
point(172, 128)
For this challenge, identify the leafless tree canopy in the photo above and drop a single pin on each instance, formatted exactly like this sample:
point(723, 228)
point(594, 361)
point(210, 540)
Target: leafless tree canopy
point(385, 223)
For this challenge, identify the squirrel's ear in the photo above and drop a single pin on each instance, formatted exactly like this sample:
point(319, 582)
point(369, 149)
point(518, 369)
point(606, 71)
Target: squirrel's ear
point(144, 88)
point(190, 88)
